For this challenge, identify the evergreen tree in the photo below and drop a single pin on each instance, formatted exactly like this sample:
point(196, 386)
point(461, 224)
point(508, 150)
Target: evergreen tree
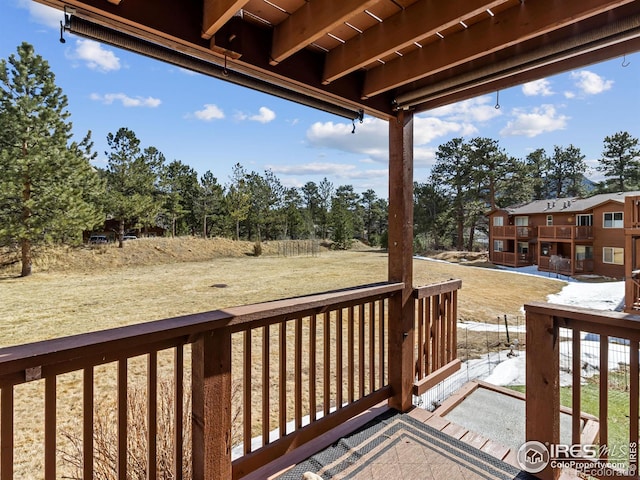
point(181, 191)
point(343, 218)
point(238, 197)
point(620, 162)
point(211, 206)
point(47, 186)
point(311, 199)
point(537, 165)
point(452, 175)
point(567, 169)
point(132, 181)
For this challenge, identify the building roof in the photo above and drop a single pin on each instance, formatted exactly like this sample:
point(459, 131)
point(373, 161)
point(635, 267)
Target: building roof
point(371, 56)
point(568, 204)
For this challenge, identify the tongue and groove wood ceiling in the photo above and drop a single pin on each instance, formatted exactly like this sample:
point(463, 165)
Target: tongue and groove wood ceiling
point(377, 56)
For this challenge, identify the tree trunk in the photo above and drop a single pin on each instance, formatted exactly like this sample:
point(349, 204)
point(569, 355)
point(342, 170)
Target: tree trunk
point(237, 229)
point(121, 233)
point(25, 243)
point(26, 257)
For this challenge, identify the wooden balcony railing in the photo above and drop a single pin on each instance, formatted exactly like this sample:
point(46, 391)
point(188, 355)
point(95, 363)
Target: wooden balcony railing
point(246, 385)
point(511, 259)
point(565, 232)
point(632, 212)
point(547, 326)
point(435, 331)
point(512, 231)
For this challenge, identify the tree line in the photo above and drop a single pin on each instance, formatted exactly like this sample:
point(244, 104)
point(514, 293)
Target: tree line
point(471, 178)
point(50, 192)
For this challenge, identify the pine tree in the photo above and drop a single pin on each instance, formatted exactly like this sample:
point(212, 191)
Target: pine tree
point(47, 185)
point(132, 180)
point(620, 162)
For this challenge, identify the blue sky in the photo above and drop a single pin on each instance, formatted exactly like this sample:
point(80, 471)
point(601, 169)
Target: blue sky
point(211, 125)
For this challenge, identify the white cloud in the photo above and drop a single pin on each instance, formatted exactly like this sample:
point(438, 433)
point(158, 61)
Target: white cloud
point(540, 87)
point(127, 101)
point(370, 138)
point(42, 14)
point(95, 56)
point(209, 112)
point(569, 94)
point(540, 120)
point(265, 115)
point(328, 169)
point(427, 129)
point(591, 83)
point(479, 109)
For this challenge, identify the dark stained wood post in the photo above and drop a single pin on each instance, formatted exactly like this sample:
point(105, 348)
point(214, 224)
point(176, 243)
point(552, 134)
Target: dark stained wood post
point(211, 397)
point(401, 306)
point(543, 384)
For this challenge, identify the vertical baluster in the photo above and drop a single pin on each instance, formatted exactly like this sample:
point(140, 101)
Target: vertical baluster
point(444, 333)
point(339, 359)
point(298, 373)
point(428, 336)
point(282, 387)
point(576, 390)
point(327, 364)
point(372, 347)
point(634, 392)
point(312, 367)
point(6, 433)
point(420, 353)
point(178, 398)
point(122, 419)
point(87, 424)
point(603, 411)
point(436, 339)
point(152, 415)
point(454, 325)
point(50, 427)
point(361, 350)
point(351, 354)
point(246, 393)
point(266, 422)
point(381, 348)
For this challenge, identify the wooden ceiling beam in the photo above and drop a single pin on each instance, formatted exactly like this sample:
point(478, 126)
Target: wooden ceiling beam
point(421, 19)
point(526, 21)
point(310, 22)
point(215, 13)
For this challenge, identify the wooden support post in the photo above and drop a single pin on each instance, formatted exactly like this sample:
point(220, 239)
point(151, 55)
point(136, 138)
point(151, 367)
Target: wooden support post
point(543, 385)
point(211, 417)
point(401, 306)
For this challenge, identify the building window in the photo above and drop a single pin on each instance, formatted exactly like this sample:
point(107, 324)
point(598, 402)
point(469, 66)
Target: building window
point(584, 220)
point(523, 247)
point(498, 221)
point(584, 252)
point(613, 255)
point(549, 220)
point(613, 220)
point(545, 250)
point(522, 221)
point(498, 246)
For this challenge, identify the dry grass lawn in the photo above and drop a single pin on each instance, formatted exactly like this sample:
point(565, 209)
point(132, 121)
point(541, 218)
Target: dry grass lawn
point(91, 289)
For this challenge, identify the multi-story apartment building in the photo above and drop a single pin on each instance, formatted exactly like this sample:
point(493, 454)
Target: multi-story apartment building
point(571, 236)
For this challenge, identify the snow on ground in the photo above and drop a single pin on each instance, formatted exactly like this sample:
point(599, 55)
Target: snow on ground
point(508, 367)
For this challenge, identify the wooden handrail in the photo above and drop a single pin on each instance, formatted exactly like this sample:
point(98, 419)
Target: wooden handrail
point(142, 338)
point(211, 337)
point(543, 390)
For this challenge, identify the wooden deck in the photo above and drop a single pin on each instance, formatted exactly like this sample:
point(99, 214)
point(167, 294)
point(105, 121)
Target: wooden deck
point(414, 456)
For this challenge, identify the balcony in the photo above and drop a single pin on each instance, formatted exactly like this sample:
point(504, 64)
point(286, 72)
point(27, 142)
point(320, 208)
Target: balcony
point(565, 232)
point(511, 259)
point(243, 385)
point(513, 232)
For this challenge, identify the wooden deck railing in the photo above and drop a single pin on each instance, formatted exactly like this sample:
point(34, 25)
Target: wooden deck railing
point(511, 259)
point(436, 334)
point(260, 380)
point(302, 366)
point(513, 231)
point(565, 232)
point(632, 212)
point(545, 331)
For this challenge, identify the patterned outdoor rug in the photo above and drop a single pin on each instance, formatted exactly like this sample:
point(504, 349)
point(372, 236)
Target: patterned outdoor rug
point(398, 447)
